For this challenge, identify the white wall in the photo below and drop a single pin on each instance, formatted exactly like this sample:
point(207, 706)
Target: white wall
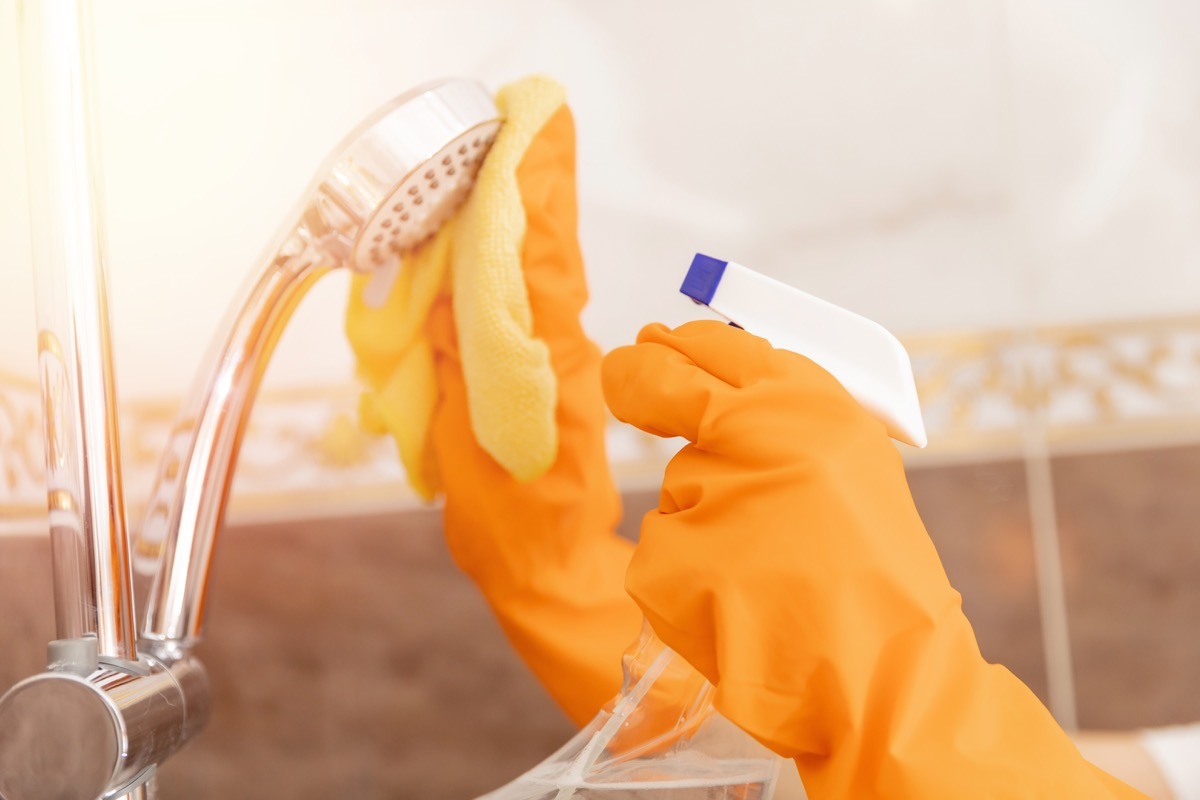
point(937, 165)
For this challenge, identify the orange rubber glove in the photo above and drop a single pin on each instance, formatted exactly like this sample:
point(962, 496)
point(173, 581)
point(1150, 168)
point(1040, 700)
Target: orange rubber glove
point(787, 563)
point(544, 553)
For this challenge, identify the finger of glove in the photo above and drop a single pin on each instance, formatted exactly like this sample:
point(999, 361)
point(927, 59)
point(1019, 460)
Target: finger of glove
point(657, 388)
point(724, 351)
point(551, 258)
point(742, 359)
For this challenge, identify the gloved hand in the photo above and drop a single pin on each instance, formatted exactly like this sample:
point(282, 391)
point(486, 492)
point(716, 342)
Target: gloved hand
point(543, 552)
point(787, 563)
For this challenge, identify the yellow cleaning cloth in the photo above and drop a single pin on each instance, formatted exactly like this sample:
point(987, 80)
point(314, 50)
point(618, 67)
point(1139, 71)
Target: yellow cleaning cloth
point(510, 383)
point(396, 361)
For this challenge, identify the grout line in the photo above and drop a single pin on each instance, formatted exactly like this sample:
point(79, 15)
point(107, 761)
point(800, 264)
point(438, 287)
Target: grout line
point(1047, 562)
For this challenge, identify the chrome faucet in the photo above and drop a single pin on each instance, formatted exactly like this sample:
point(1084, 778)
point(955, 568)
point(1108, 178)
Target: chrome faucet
point(115, 702)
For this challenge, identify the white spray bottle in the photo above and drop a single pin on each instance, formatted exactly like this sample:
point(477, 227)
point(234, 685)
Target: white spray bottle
point(868, 360)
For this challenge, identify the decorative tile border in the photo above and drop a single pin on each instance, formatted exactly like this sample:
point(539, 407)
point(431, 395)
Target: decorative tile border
point(302, 455)
point(22, 459)
point(1115, 384)
point(1103, 386)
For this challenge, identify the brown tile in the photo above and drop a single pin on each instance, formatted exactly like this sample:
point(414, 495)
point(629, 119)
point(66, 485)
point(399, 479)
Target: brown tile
point(978, 517)
point(345, 663)
point(1130, 530)
point(26, 607)
point(358, 663)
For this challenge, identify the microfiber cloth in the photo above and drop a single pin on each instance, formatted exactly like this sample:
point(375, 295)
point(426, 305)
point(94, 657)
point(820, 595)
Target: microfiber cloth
point(511, 388)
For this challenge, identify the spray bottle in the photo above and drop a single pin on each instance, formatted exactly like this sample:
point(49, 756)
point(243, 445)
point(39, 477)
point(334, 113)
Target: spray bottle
point(660, 738)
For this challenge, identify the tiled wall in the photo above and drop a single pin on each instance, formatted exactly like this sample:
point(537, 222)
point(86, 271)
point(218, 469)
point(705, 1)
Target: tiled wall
point(350, 658)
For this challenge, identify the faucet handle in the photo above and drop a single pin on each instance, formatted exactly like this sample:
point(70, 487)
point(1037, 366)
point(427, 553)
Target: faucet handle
point(64, 734)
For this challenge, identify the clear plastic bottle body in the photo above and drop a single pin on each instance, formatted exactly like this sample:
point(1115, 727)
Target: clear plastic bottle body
point(659, 739)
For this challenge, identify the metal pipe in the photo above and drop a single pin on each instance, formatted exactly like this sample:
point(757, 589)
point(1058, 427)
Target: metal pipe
point(176, 539)
point(90, 548)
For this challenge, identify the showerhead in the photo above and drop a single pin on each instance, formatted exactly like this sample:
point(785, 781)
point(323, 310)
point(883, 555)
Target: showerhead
point(388, 187)
point(403, 172)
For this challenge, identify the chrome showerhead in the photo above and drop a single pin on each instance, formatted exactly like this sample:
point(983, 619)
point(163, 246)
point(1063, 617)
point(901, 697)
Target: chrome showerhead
point(403, 172)
point(386, 188)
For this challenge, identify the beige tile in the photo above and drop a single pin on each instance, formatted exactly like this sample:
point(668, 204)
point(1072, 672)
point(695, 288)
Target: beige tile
point(1130, 529)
